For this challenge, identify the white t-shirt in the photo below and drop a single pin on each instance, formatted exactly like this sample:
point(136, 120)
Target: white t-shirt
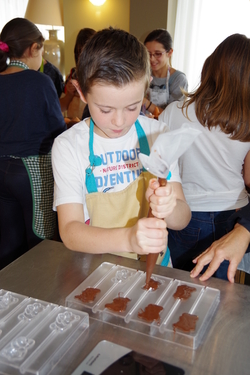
point(211, 169)
point(120, 161)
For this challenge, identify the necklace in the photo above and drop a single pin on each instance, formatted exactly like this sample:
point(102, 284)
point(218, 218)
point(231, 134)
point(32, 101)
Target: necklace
point(18, 64)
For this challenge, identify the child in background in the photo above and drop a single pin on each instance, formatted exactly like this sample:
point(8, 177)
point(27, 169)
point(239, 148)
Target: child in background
point(97, 171)
point(167, 83)
point(30, 120)
point(211, 169)
point(71, 102)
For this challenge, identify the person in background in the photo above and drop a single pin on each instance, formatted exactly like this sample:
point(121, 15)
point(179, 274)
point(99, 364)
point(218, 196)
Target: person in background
point(233, 247)
point(167, 83)
point(54, 73)
point(97, 170)
point(71, 102)
point(30, 120)
point(211, 169)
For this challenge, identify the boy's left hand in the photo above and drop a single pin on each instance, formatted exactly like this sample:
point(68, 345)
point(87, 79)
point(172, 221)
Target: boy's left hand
point(162, 199)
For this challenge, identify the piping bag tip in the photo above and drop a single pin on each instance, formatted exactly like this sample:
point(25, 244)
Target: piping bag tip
point(151, 261)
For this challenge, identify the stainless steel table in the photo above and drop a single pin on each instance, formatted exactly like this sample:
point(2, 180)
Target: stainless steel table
point(50, 272)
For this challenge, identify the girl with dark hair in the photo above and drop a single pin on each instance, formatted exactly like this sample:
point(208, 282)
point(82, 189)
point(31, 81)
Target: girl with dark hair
point(167, 83)
point(30, 120)
point(211, 169)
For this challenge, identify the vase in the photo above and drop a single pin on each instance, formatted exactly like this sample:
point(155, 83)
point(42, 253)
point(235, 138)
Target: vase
point(54, 51)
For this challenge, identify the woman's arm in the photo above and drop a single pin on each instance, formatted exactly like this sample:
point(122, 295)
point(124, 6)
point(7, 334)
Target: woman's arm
point(231, 247)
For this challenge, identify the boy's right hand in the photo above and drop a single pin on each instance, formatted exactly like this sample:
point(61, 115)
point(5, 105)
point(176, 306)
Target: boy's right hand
point(148, 235)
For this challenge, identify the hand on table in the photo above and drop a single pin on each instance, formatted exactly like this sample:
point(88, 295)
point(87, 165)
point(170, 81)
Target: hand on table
point(231, 247)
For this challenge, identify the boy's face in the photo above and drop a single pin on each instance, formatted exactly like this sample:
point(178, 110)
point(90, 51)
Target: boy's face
point(114, 110)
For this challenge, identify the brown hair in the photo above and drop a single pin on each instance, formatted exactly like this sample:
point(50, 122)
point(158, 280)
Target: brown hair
point(113, 57)
point(82, 37)
point(19, 34)
point(223, 96)
point(161, 36)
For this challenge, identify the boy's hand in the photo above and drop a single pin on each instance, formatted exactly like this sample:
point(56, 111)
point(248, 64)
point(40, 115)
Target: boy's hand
point(148, 235)
point(162, 199)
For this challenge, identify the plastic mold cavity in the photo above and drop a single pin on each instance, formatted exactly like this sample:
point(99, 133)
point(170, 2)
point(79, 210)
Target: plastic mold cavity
point(6, 300)
point(202, 302)
point(35, 335)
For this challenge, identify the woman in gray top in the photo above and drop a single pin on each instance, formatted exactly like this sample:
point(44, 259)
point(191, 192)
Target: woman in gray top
point(167, 82)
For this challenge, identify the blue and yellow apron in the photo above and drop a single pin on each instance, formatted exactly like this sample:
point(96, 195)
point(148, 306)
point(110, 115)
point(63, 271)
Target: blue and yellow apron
point(120, 209)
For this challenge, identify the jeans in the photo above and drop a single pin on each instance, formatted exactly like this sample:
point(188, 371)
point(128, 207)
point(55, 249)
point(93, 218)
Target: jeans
point(16, 211)
point(203, 229)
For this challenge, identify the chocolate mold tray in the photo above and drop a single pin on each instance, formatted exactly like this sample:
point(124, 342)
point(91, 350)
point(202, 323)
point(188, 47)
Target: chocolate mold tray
point(115, 281)
point(34, 334)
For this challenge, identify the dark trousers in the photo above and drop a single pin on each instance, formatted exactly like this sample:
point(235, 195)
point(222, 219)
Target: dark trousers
point(16, 211)
point(203, 229)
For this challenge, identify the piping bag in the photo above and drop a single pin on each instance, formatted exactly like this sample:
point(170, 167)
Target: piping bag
point(167, 148)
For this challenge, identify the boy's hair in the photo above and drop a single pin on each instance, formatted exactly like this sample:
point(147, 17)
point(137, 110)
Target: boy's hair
point(223, 96)
point(19, 34)
point(82, 37)
point(112, 57)
point(161, 36)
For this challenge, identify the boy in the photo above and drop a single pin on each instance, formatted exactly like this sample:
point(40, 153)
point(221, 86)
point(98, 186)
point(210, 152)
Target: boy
point(97, 171)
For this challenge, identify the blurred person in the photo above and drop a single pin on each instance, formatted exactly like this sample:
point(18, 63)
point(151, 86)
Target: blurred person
point(167, 83)
point(30, 120)
point(54, 73)
point(71, 102)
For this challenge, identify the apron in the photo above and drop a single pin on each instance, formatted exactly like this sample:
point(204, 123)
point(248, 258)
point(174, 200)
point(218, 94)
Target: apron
point(40, 173)
point(120, 209)
point(160, 95)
